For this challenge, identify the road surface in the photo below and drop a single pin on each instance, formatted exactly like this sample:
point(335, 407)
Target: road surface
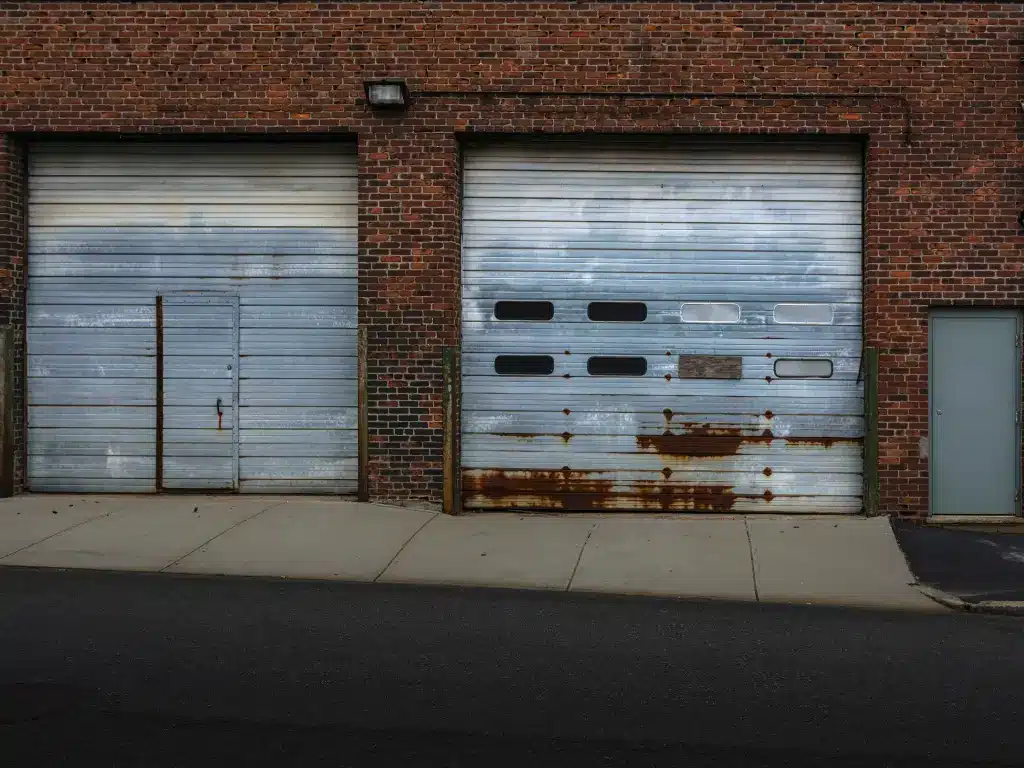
point(155, 670)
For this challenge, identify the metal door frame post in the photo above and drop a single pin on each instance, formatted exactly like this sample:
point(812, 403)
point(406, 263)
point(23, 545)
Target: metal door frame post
point(7, 447)
point(871, 487)
point(363, 420)
point(452, 406)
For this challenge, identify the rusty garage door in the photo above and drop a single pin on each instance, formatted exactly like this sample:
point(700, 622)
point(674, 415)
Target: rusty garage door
point(191, 316)
point(662, 325)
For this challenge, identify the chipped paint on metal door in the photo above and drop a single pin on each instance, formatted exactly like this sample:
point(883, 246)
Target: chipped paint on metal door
point(199, 356)
point(670, 325)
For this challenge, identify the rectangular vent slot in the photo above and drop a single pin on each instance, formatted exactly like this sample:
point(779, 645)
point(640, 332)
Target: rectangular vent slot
point(617, 366)
point(524, 365)
point(710, 312)
point(803, 314)
point(617, 311)
point(814, 368)
point(524, 310)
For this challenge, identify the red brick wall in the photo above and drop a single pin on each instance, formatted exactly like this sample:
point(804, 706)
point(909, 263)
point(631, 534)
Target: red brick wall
point(941, 212)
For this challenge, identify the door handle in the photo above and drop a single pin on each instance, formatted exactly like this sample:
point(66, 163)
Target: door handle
point(220, 412)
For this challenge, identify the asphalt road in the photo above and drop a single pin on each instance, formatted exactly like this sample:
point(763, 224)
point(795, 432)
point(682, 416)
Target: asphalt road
point(973, 565)
point(153, 670)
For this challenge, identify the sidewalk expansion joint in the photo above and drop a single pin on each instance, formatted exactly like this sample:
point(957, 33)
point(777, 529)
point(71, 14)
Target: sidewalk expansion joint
point(401, 549)
point(221, 533)
point(58, 533)
point(579, 559)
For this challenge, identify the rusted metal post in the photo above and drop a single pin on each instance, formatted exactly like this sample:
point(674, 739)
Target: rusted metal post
point(363, 422)
point(159, 479)
point(6, 411)
point(452, 496)
point(871, 491)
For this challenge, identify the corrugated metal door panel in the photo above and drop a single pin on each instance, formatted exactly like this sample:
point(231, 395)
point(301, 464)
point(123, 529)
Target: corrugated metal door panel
point(737, 385)
point(114, 224)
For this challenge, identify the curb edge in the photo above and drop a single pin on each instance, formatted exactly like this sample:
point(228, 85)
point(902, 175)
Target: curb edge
point(943, 598)
point(996, 607)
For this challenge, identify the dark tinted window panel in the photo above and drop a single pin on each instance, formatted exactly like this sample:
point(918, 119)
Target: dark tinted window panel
point(524, 365)
point(617, 366)
point(617, 311)
point(524, 310)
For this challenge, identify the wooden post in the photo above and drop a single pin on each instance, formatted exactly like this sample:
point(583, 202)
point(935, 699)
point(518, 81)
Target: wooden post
point(363, 422)
point(7, 447)
point(871, 489)
point(452, 496)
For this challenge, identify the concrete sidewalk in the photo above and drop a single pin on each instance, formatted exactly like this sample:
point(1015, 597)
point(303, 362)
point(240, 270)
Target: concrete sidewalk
point(833, 560)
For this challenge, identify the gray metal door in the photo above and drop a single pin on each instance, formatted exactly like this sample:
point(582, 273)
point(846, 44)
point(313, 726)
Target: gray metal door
point(975, 397)
point(197, 438)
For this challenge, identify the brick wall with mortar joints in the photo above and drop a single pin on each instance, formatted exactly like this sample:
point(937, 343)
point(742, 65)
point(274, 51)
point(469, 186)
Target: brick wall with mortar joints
point(941, 213)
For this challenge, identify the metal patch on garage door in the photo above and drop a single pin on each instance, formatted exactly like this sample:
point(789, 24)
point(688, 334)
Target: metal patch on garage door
point(710, 367)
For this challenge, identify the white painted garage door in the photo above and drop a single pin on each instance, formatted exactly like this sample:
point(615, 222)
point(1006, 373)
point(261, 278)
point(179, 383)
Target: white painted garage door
point(251, 249)
point(662, 325)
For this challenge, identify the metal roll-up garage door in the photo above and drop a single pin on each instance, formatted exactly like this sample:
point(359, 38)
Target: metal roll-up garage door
point(662, 325)
point(192, 316)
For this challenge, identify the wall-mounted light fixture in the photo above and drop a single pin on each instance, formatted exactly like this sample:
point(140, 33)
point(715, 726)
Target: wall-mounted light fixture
point(387, 94)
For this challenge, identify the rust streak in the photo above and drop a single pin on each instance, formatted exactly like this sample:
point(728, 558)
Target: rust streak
point(822, 442)
point(703, 441)
point(578, 491)
point(690, 445)
point(690, 498)
point(706, 430)
point(556, 489)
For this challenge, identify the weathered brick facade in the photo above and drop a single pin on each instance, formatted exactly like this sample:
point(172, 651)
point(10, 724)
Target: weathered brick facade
point(935, 89)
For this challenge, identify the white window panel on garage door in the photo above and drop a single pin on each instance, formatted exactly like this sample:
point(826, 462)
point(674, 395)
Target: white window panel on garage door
point(696, 335)
point(113, 224)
